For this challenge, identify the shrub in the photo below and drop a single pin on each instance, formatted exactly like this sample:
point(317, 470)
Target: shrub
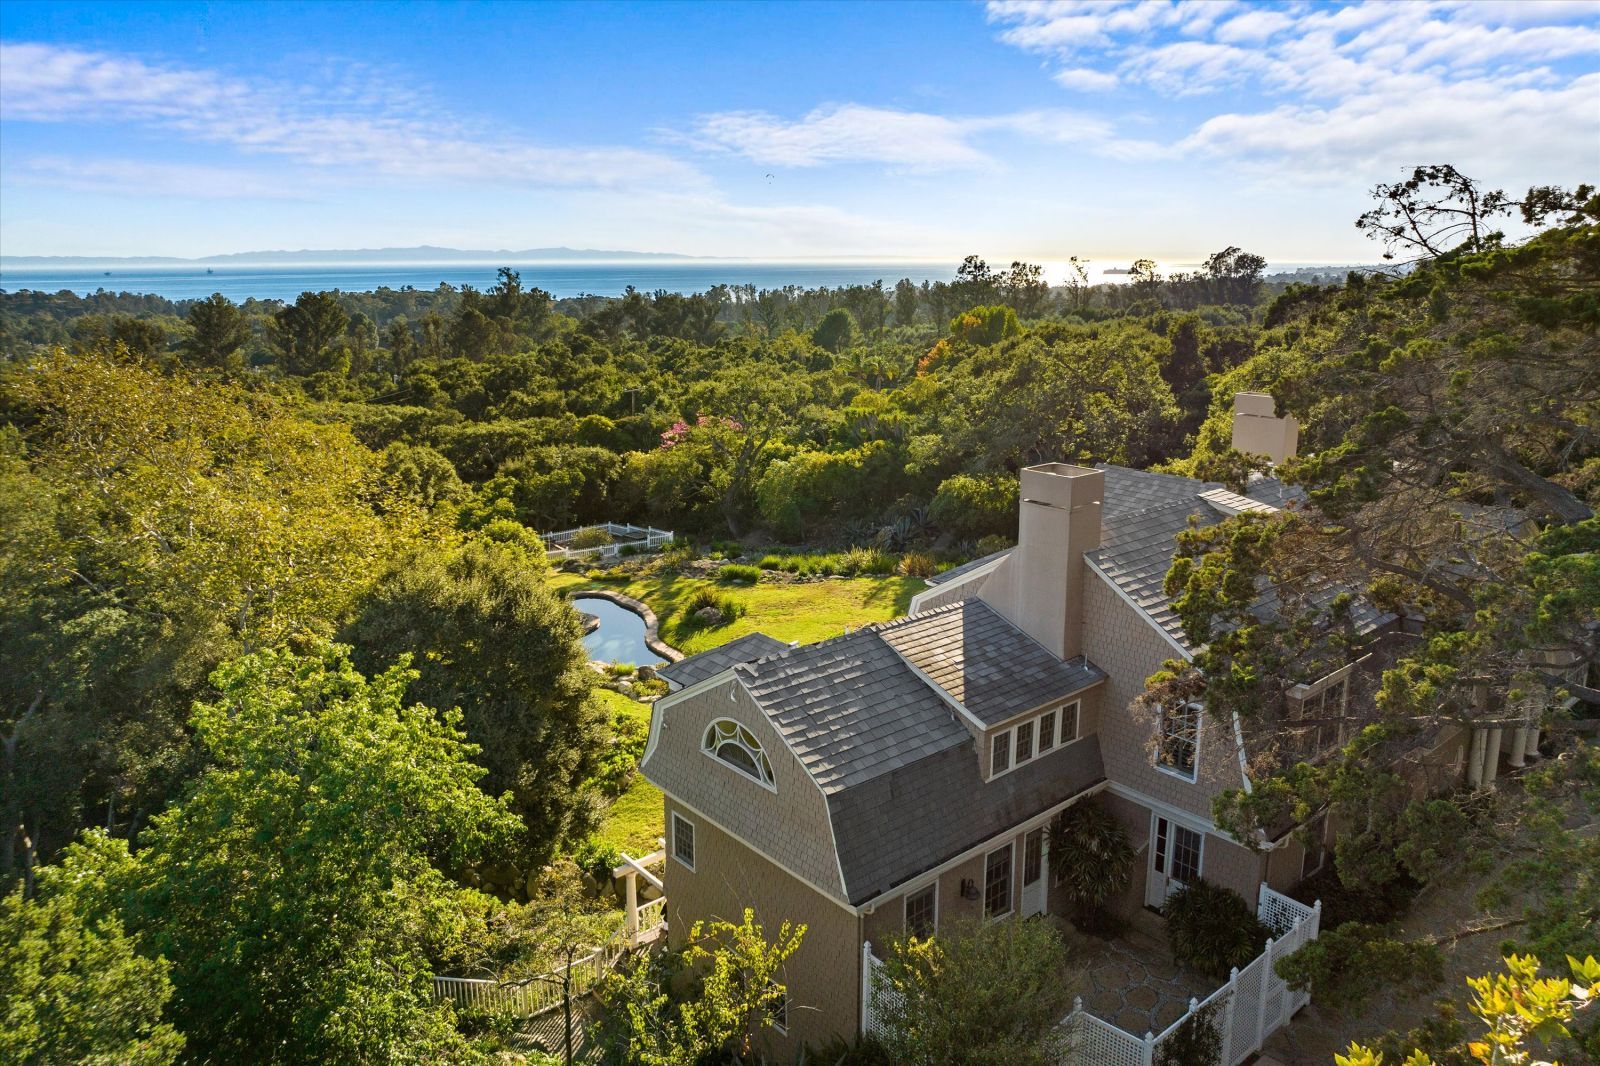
point(860, 560)
point(771, 562)
point(1211, 928)
point(710, 608)
point(918, 564)
point(969, 507)
point(993, 543)
point(619, 760)
point(728, 549)
point(1092, 858)
point(738, 574)
point(654, 686)
point(597, 858)
point(594, 537)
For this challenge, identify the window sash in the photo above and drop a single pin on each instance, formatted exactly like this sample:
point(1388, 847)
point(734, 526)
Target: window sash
point(683, 840)
point(1024, 742)
point(1180, 735)
point(1000, 756)
point(922, 911)
point(1047, 731)
point(997, 883)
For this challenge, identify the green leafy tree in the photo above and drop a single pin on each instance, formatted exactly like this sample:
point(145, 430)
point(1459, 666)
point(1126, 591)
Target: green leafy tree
point(217, 330)
point(836, 331)
point(970, 507)
point(736, 986)
point(294, 889)
point(1517, 1009)
point(489, 636)
point(73, 986)
point(976, 994)
point(307, 332)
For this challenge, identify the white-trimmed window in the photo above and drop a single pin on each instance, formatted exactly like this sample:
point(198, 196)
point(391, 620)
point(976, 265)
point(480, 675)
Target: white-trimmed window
point(997, 877)
point(1000, 754)
point(729, 742)
point(1032, 737)
point(922, 911)
point(683, 840)
point(1179, 750)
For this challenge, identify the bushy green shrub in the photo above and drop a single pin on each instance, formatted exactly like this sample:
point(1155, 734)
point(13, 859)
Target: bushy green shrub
point(1198, 1041)
point(596, 537)
point(654, 686)
point(597, 858)
point(738, 574)
point(1211, 928)
point(619, 760)
point(859, 560)
point(970, 507)
point(726, 609)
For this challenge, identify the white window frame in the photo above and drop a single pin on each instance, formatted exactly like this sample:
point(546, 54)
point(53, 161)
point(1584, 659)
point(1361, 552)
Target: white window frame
point(1008, 736)
point(1011, 882)
point(694, 841)
point(1161, 733)
point(1158, 858)
point(758, 755)
point(905, 906)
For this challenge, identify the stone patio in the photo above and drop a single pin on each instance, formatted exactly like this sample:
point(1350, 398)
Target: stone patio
point(1133, 982)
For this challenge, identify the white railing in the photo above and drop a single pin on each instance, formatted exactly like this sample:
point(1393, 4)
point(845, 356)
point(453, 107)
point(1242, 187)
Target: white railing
point(642, 538)
point(1252, 1005)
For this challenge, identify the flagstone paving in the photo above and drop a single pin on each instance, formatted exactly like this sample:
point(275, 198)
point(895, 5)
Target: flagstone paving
point(1134, 983)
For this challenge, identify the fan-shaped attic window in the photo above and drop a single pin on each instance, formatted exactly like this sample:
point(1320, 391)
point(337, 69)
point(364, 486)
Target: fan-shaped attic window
point(729, 742)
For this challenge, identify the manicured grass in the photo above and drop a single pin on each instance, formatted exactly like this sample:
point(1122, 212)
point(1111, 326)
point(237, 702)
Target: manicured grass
point(616, 701)
point(805, 612)
point(634, 822)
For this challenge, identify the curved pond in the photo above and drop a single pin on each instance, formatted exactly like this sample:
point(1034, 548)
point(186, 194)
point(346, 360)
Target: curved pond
point(620, 635)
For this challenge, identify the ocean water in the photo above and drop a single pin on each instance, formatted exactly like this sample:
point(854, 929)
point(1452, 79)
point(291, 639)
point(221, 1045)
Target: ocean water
point(188, 282)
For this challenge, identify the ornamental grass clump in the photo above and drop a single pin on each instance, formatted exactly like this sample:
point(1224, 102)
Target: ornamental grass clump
point(738, 574)
point(709, 608)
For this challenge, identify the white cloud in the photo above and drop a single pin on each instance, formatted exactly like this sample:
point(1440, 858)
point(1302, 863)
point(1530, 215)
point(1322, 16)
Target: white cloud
point(145, 178)
point(1086, 79)
point(1344, 88)
point(857, 133)
point(357, 124)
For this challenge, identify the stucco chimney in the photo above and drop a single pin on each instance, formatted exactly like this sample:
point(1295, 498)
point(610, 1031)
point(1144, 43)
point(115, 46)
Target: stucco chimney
point(1256, 430)
point(1039, 586)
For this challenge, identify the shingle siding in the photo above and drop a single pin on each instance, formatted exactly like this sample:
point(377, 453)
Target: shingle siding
point(823, 976)
point(1124, 644)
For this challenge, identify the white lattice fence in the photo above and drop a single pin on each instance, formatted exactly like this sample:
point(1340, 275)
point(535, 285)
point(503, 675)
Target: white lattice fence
point(1254, 1003)
point(876, 993)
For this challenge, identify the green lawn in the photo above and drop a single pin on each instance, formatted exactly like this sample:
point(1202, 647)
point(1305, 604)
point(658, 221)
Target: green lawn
point(806, 612)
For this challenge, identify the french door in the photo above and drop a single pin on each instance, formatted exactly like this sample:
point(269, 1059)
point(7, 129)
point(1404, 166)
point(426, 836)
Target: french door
point(1175, 853)
point(1035, 849)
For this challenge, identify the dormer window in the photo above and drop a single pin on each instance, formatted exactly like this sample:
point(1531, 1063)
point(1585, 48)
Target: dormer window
point(1180, 741)
point(729, 742)
point(1032, 738)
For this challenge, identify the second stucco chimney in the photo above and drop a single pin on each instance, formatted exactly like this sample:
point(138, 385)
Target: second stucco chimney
point(1256, 429)
point(1039, 586)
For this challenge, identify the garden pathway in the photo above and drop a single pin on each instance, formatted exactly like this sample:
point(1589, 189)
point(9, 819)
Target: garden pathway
point(1133, 982)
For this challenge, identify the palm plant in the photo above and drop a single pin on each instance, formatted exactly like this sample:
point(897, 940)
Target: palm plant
point(1092, 859)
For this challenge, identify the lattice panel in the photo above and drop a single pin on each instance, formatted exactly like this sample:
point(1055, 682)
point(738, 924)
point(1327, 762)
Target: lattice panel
point(1280, 913)
point(1097, 1043)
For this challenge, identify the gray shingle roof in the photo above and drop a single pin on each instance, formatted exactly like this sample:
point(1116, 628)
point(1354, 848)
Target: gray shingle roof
point(697, 668)
point(851, 708)
point(1136, 550)
point(884, 830)
point(984, 662)
point(1129, 491)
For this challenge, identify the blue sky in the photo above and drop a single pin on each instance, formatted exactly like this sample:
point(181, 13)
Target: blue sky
point(1107, 128)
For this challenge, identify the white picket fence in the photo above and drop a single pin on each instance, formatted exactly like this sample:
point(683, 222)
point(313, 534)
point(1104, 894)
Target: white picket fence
point(642, 538)
point(1253, 1004)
